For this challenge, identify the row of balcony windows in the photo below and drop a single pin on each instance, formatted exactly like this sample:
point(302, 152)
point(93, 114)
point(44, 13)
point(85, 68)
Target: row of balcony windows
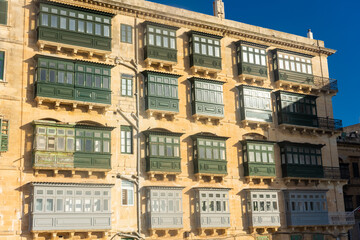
point(59, 24)
point(60, 206)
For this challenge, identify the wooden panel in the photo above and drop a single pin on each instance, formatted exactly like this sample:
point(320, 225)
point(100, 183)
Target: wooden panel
point(160, 53)
point(163, 165)
point(164, 104)
point(54, 91)
point(210, 166)
point(252, 69)
point(53, 160)
point(74, 38)
point(307, 218)
point(204, 61)
point(298, 119)
point(165, 220)
point(214, 220)
point(294, 77)
point(92, 160)
point(259, 169)
point(207, 109)
point(296, 170)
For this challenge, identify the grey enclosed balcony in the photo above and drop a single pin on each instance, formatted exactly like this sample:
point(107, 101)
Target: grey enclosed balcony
point(341, 218)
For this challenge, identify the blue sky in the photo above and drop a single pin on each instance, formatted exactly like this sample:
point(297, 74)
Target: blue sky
point(333, 21)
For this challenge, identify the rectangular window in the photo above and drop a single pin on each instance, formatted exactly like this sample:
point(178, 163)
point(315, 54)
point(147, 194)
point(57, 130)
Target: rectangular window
point(161, 37)
point(126, 33)
point(304, 155)
point(164, 86)
point(164, 146)
point(207, 46)
point(165, 200)
point(253, 55)
point(295, 63)
point(355, 167)
point(2, 65)
point(127, 191)
point(126, 140)
point(213, 149)
point(260, 152)
point(126, 86)
point(3, 11)
point(208, 92)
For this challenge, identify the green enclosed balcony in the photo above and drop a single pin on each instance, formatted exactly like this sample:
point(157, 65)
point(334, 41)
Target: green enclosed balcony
point(75, 83)
point(162, 153)
point(209, 155)
point(207, 99)
point(292, 69)
point(160, 44)
point(255, 105)
point(80, 147)
point(251, 61)
point(161, 93)
point(258, 159)
point(61, 26)
point(205, 53)
point(301, 160)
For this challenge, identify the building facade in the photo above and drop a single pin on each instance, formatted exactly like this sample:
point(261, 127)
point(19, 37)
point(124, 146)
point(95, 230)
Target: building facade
point(131, 119)
point(349, 160)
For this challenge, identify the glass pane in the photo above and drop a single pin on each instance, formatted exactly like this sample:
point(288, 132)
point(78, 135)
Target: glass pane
point(151, 39)
point(68, 205)
point(87, 205)
point(166, 42)
point(97, 81)
point(158, 40)
point(161, 150)
point(97, 204)
point(78, 205)
point(81, 26)
point(89, 27)
point(49, 205)
point(172, 43)
point(52, 76)
point(88, 145)
point(54, 21)
point(106, 146)
point(78, 144)
point(196, 47)
point(97, 29)
point(44, 19)
point(72, 24)
point(97, 145)
point(106, 31)
point(38, 204)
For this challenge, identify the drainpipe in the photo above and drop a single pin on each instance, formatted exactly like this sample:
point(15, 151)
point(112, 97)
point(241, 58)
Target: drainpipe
point(133, 65)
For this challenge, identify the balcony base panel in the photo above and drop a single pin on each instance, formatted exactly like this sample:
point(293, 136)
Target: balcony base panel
point(205, 72)
point(296, 86)
point(70, 234)
point(160, 64)
point(308, 130)
point(260, 179)
point(165, 232)
point(210, 177)
point(264, 229)
point(163, 176)
point(162, 114)
point(256, 124)
point(75, 50)
point(72, 103)
point(206, 232)
point(207, 119)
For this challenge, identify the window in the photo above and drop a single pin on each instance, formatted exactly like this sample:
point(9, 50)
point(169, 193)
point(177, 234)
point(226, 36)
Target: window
point(67, 73)
point(74, 20)
point(258, 152)
point(294, 63)
point(215, 201)
point(207, 46)
point(162, 86)
point(211, 149)
point(344, 171)
point(3, 12)
point(355, 167)
point(2, 64)
point(160, 37)
point(4, 135)
point(309, 201)
point(302, 155)
point(126, 139)
point(256, 99)
point(349, 206)
point(127, 191)
point(164, 200)
point(126, 33)
point(298, 104)
point(260, 202)
point(252, 55)
point(52, 138)
point(126, 86)
point(164, 146)
point(208, 92)
point(93, 141)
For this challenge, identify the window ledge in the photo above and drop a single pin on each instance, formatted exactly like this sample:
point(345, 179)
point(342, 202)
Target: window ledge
point(37, 235)
point(211, 72)
point(256, 124)
point(260, 179)
point(307, 129)
point(252, 79)
point(207, 119)
point(71, 171)
point(295, 86)
point(210, 177)
point(162, 114)
point(158, 63)
point(164, 175)
point(262, 229)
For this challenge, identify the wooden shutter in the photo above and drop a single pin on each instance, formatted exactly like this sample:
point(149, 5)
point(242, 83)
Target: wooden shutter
point(124, 197)
point(3, 12)
point(2, 59)
point(4, 137)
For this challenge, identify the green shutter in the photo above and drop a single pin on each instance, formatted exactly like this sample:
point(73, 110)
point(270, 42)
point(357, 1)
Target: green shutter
point(2, 63)
point(4, 137)
point(3, 12)
point(296, 237)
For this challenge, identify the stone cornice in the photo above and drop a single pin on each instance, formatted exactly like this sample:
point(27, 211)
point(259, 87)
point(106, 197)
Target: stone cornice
point(209, 24)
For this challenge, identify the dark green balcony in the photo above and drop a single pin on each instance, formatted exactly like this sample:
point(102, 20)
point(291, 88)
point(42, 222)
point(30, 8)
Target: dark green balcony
point(162, 152)
point(209, 155)
point(205, 52)
point(158, 53)
point(293, 67)
point(259, 170)
point(161, 92)
point(207, 98)
point(63, 26)
point(251, 59)
point(301, 160)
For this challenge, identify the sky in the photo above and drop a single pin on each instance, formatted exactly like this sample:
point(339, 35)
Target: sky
point(335, 22)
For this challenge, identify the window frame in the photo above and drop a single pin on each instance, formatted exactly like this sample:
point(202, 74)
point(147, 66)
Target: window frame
point(305, 150)
point(162, 195)
point(216, 144)
point(126, 130)
point(6, 12)
point(160, 36)
point(83, 134)
point(127, 30)
point(210, 197)
point(270, 153)
point(205, 42)
point(203, 89)
point(248, 49)
point(157, 85)
point(292, 103)
point(296, 60)
point(128, 86)
point(175, 144)
point(129, 190)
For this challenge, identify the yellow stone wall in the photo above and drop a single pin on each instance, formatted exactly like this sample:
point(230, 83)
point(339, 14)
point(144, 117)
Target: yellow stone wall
point(18, 39)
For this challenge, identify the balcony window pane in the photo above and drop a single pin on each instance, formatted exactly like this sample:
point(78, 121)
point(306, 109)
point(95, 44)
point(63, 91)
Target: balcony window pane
point(89, 27)
point(87, 205)
point(197, 48)
point(97, 204)
point(210, 50)
point(54, 21)
point(72, 24)
point(63, 22)
point(88, 145)
point(106, 31)
point(43, 75)
point(263, 60)
point(44, 19)
point(251, 58)
point(78, 205)
point(68, 205)
point(52, 76)
point(97, 29)
point(158, 40)
point(281, 64)
point(61, 77)
point(257, 59)
point(98, 81)
point(81, 26)
point(309, 69)
point(166, 42)
point(172, 43)
point(245, 57)
point(38, 205)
